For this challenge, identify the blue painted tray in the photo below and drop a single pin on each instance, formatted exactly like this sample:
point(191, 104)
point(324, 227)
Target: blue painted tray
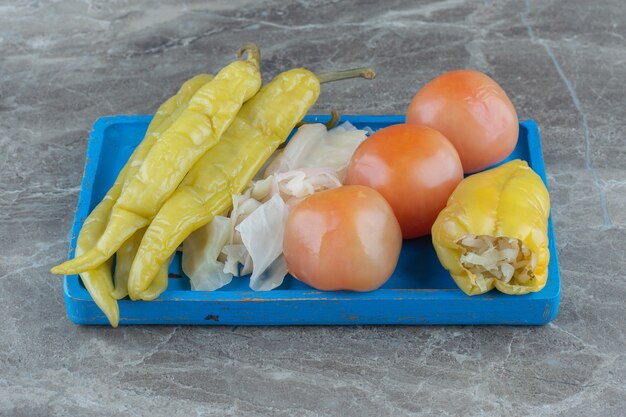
point(419, 292)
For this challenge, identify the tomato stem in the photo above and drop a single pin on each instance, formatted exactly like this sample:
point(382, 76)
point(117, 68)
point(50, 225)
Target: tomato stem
point(334, 119)
point(332, 122)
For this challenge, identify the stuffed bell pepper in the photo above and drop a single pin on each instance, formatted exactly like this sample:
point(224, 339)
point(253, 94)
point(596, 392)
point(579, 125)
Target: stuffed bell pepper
point(493, 232)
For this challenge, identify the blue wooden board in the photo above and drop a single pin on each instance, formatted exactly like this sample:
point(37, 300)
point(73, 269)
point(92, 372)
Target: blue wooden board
point(419, 292)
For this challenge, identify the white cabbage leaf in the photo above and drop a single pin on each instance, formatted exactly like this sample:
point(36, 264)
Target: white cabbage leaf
point(261, 233)
point(201, 251)
point(312, 146)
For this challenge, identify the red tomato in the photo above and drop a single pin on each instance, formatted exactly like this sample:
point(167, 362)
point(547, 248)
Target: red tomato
point(346, 238)
point(414, 167)
point(473, 112)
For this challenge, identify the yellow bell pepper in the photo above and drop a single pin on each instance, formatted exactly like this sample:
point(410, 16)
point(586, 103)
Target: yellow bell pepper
point(493, 232)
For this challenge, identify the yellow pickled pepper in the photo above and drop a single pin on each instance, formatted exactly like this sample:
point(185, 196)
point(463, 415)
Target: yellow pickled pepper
point(493, 233)
point(263, 123)
point(124, 259)
point(198, 128)
point(261, 126)
point(163, 118)
point(159, 284)
point(98, 281)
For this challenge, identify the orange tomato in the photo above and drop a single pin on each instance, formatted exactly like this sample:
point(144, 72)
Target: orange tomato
point(473, 112)
point(414, 167)
point(346, 238)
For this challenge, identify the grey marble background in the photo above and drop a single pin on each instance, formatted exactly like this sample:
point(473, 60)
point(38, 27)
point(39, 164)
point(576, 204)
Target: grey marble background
point(64, 64)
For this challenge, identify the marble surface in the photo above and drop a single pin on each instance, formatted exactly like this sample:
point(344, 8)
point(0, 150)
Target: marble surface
point(64, 64)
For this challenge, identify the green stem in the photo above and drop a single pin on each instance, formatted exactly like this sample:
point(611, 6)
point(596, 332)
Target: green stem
point(334, 119)
point(332, 122)
point(254, 54)
point(364, 72)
